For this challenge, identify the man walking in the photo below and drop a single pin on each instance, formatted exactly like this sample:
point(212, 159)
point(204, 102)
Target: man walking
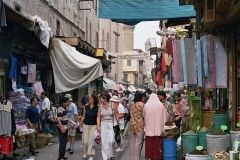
point(33, 120)
point(72, 118)
point(45, 112)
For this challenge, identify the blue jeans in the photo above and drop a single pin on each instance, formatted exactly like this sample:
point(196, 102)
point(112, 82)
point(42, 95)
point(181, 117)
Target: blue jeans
point(45, 128)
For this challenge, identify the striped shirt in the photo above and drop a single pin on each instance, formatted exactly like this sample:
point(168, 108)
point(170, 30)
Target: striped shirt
point(62, 116)
point(53, 113)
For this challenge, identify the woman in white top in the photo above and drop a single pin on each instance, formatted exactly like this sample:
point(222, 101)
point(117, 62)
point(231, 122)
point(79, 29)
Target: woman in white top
point(109, 115)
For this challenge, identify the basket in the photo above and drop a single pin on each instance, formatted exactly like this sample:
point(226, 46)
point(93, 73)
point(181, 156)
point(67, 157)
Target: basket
point(234, 135)
point(20, 140)
point(196, 157)
point(42, 140)
point(217, 143)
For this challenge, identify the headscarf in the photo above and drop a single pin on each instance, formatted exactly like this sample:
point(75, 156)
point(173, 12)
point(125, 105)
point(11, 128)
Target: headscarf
point(155, 116)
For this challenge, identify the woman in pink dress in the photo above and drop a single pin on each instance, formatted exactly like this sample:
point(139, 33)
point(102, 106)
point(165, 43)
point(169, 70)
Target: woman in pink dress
point(155, 115)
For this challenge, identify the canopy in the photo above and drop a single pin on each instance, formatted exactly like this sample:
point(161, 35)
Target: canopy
point(71, 68)
point(132, 12)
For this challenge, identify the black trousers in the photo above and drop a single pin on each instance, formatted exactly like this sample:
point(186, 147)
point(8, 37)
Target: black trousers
point(63, 139)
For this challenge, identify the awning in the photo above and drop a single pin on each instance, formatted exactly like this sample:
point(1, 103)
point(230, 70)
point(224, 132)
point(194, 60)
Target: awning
point(71, 68)
point(15, 16)
point(132, 12)
point(108, 81)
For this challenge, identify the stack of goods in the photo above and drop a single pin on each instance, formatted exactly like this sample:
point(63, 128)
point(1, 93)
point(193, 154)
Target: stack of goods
point(170, 130)
point(22, 130)
point(20, 104)
point(220, 155)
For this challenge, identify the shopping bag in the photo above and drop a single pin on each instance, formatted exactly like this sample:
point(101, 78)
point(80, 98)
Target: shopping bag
point(96, 140)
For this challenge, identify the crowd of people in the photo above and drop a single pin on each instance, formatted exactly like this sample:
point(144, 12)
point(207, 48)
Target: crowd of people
point(114, 116)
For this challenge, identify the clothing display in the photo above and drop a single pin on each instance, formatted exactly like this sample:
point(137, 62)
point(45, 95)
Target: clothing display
point(199, 63)
point(31, 73)
point(205, 61)
point(13, 73)
point(212, 61)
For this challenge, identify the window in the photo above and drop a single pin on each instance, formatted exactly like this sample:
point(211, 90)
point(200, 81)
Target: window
point(17, 7)
point(58, 28)
point(108, 39)
point(125, 77)
point(128, 62)
point(86, 38)
point(90, 32)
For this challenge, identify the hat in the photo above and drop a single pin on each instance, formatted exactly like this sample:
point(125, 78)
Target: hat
point(115, 99)
point(69, 96)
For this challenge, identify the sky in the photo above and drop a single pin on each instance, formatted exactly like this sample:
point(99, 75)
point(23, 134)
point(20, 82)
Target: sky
point(143, 31)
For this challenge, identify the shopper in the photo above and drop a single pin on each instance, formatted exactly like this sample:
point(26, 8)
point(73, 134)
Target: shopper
point(178, 113)
point(109, 118)
point(72, 122)
point(136, 126)
point(90, 122)
point(155, 115)
point(52, 119)
point(45, 112)
point(162, 97)
point(62, 127)
point(33, 120)
point(121, 112)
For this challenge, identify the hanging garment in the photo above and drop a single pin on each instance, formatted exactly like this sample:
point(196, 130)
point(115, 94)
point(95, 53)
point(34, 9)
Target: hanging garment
point(13, 69)
point(212, 61)
point(158, 61)
point(199, 63)
point(179, 62)
point(163, 65)
point(23, 70)
point(175, 61)
point(159, 78)
point(189, 61)
point(31, 73)
point(169, 47)
point(5, 117)
point(220, 63)
point(38, 88)
point(205, 61)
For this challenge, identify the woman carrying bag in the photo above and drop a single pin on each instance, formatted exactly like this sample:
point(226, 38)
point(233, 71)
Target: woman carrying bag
point(109, 116)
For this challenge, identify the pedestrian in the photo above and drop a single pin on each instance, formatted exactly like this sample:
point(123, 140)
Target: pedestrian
point(136, 126)
point(90, 122)
point(72, 123)
point(178, 112)
point(62, 127)
point(155, 115)
point(45, 112)
point(85, 99)
point(121, 112)
point(109, 118)
point(33, 120)
point(115, 93)
point(52, 119)
point(162, 97)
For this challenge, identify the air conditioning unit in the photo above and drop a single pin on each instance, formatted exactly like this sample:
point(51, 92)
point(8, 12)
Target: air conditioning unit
point(210, 11)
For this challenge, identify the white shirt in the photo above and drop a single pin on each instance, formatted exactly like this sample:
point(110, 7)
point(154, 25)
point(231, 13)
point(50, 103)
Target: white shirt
point(46, 104)
point(121, 110)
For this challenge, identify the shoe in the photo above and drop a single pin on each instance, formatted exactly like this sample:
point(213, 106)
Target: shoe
point(34, 152)
point(65, 158)
point(90, 158)
point(68, 150)
point(71, 151)
point(119, 150)
point(85, 156)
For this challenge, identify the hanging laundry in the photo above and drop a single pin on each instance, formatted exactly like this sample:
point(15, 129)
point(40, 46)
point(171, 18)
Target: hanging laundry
point(212, 61)
point(199, 63)
point(205, 61)
point(31, 73)
point(189, 61)
point(220, 63)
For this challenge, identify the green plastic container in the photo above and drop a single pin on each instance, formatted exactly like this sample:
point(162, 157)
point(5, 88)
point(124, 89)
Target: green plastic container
point(221, 119)
point(190, 142)
point(202, 138)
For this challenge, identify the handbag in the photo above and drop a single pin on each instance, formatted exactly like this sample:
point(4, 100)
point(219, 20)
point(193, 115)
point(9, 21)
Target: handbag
point(115, 128)
point(128, 117)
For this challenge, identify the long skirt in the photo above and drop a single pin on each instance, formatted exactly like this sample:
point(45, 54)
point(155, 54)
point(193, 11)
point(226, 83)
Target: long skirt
point(153, 147)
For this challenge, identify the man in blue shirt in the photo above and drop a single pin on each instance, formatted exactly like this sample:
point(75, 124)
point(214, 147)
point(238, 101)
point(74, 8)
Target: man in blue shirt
point(33, 120)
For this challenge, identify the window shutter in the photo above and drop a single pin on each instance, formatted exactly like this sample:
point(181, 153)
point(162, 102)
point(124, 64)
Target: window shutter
point(209, 11)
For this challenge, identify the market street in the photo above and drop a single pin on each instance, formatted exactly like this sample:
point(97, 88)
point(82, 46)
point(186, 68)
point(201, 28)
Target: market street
point(51, 152)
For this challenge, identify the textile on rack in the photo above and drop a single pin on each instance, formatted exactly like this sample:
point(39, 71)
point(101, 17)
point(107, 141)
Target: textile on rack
point(199, 64)
point(180, 62)
point(220, 63)
point(5, 117)
point(13, 73)
point(212, 61)
point(31, 73)
point(175, 61)
point(205, 61)
point(158, 61)
point(38, 88)
point(169, 47)
point(6, 144)
point(163, 64)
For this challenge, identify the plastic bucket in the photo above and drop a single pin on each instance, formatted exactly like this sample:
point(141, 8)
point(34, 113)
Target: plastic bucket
point(221, 119)
point(196, 157)
point(190, 142)
point(170, 149)
point(217, 143)
point(202, 138)
point(234, 135)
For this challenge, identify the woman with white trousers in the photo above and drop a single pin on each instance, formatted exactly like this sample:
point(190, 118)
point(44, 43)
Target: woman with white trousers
point(109, 118)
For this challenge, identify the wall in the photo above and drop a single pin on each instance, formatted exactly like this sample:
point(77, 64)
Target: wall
point(67, 12)
point(132, 68)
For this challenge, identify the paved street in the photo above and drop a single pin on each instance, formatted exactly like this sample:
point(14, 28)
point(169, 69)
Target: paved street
point(51, 152)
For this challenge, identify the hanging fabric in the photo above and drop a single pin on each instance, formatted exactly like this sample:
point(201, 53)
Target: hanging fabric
point(163, 65)
point(23, 70)
point(169, 47)
point(31, 73)
point(205, 61)
point(13, 74)
point(199, 63)
point(212, 61)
